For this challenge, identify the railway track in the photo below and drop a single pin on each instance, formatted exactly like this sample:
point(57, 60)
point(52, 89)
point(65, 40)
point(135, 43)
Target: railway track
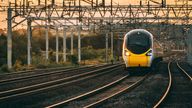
point(26, 91)
point(30, 72)
point(187, 67)
point(166, 87)
point(185, 72)
point(178, 93)
point(39, 72)
point(143, 95)
point(100, 95)
point(155, 91)
point(19, 82)
point(4, 76)
point(167, 90)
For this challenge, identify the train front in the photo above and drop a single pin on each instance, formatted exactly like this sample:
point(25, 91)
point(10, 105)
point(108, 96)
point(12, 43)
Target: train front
point(138, 49)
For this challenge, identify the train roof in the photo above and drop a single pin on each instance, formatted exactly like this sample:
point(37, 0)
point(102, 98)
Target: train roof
point(143, 31)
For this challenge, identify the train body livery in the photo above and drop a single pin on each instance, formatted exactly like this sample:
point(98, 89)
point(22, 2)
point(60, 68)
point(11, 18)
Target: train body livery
point(138, 49)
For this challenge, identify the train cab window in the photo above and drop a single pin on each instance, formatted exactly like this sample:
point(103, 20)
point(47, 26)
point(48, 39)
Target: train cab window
point(138, 42)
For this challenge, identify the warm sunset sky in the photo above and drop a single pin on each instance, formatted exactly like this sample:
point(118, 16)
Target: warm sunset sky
point(3, 15)
point(124, 2)
point(117, 1)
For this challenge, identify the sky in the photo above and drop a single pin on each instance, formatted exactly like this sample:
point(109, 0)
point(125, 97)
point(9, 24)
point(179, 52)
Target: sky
point(107, 1)
point(3, 15)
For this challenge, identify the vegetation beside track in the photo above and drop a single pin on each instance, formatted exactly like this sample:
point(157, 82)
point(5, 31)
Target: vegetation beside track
point(93, 50)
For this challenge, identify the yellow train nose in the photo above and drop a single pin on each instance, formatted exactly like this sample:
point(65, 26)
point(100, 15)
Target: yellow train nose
point(138, 60)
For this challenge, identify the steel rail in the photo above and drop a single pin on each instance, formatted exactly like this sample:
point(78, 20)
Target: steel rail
point(5, 95)
point(167, 90)
point(12, 80)
point(86, 95)
point(35, 75)
point(32, 70)
point(45, 69)
point(128, 88)
point(45, 79)
point(188, 76)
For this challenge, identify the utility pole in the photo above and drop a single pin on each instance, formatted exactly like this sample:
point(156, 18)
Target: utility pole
point(112, 45)
point(71, 41)
point(9, 38)
point(64, 44)
point(53, 2)
point(29, 42)
point(47, 42)
point(57, 45)
point(79, 43)
point(106, 47)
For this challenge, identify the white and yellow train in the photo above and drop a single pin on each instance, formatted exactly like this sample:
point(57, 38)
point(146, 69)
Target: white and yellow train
point(138, 51)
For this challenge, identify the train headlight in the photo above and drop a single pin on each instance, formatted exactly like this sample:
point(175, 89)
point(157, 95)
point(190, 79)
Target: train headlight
point(127, 53)
point(149, 53)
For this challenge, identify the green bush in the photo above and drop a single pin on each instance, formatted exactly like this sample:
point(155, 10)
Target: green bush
point(41, 66)
point(4, 68)
point(73, 59)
